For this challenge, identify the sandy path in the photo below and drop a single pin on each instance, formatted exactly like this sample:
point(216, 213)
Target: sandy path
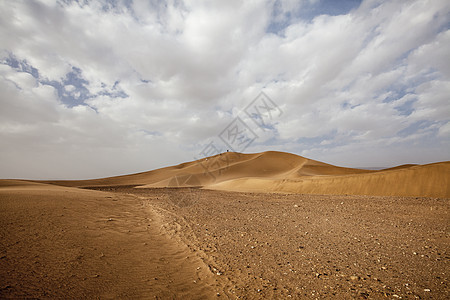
point(67, 243)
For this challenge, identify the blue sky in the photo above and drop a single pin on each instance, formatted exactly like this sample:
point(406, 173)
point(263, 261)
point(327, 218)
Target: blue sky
point(101, 88)
point(285, 13)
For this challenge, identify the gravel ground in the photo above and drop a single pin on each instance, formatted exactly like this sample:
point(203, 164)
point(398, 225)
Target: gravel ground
point(312, 246)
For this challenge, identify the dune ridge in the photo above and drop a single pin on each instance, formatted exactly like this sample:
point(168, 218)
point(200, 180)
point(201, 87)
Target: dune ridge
point(274, 171)
point(421, 181)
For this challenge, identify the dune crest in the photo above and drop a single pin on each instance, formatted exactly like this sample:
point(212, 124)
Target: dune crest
point(285, 172)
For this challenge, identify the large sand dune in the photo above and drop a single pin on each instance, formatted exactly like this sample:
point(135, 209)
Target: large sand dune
point(284, 172)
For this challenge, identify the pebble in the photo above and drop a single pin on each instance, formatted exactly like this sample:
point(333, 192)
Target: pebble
point(426, 290)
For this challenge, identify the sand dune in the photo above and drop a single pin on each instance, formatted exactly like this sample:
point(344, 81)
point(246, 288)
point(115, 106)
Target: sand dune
point(220, 168)
point(284, 172)
point(424, 181)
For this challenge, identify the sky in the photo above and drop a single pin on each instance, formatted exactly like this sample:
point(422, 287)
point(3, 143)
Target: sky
point(100, 88)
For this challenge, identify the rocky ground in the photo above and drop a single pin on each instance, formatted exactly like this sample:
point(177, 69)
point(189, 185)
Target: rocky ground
point(311, 246)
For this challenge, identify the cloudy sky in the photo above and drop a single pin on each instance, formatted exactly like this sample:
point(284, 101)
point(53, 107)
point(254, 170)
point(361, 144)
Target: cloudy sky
point(101, 88)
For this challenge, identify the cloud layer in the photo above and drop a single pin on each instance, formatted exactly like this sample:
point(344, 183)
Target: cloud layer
point(100, 88)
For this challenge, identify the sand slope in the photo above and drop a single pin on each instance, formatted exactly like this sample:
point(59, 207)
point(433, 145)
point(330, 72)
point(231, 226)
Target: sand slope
point(284, 172)
point(69, 243)
point(425, 181)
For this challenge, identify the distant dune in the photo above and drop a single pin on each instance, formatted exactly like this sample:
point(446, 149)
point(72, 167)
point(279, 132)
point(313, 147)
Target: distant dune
point(284, 172)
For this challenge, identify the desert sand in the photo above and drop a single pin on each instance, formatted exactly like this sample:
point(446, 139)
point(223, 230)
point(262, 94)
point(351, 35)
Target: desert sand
point(251, 226)
point(288, 173)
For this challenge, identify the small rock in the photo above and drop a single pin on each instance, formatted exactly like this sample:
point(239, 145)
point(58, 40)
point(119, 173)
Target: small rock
point(426, 290)
point(353, 277)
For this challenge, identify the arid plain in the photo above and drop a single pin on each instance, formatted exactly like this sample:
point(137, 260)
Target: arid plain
point(253, 226)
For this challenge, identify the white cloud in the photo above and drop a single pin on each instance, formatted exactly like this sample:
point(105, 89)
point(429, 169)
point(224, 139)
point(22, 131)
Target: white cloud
point(444, 131)
point(153, 79)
